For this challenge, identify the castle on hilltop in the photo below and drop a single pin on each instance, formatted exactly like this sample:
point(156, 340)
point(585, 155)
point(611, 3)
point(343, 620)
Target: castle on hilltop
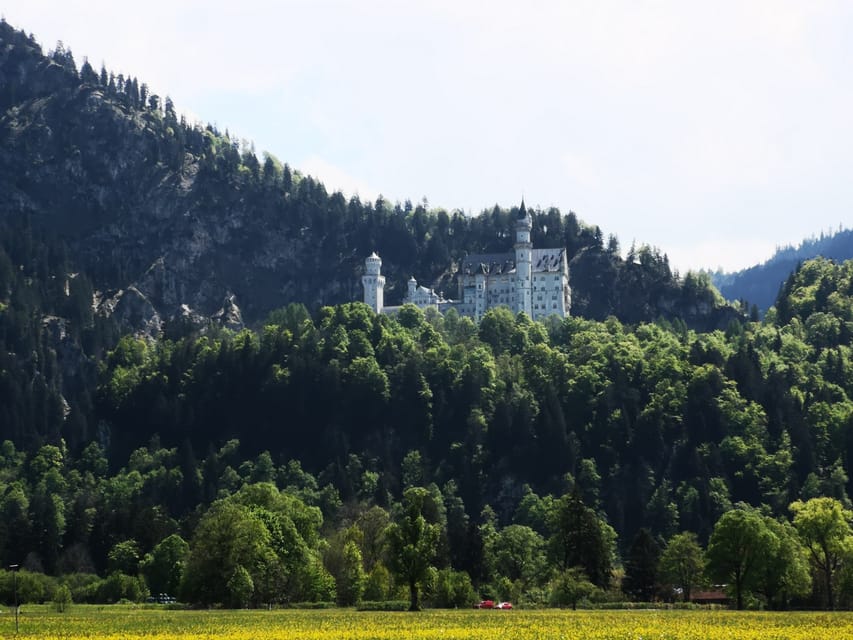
point(535, 281)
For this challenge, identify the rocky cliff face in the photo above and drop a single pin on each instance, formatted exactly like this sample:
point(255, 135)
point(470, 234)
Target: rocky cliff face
point(148, 205)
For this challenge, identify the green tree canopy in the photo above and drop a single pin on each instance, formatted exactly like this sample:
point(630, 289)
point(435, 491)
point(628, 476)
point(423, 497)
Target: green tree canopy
point(682, 563)
point(163, 568)
point(412, 542)
point(737, 551)
point(824, 528)
point(580, 538)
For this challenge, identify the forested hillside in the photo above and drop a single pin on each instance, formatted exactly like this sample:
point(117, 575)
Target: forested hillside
point(643, 418)
point(759, 285)
point(152, 442)
point(649, 430)
point(174, 221)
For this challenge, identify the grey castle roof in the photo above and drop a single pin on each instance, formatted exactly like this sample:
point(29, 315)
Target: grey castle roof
point(488, 263)
point(547, 260)
point(543, 260)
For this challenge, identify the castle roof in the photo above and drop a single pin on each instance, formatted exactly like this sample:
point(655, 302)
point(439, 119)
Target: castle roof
point(548, 259)
point(488, 263)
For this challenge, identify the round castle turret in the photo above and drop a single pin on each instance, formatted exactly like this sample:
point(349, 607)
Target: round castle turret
point(374, 283)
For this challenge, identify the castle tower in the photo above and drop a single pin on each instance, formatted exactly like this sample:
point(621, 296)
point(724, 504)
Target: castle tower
point(413, 289)
point(374, 283)
point(481, 284)
point(523, 261)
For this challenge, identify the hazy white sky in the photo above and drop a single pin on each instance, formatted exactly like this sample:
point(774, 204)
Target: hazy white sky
point(713, 130)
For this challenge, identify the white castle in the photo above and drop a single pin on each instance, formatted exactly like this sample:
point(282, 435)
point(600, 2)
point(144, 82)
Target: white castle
point(535, 281)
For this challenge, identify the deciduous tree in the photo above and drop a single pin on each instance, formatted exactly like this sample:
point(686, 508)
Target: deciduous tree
point(413, 542)
point(737, 551)
point(682, 563)
point(824, 528)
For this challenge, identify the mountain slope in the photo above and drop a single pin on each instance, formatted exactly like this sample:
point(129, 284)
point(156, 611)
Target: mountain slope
point(175, 221)
point(759, 285)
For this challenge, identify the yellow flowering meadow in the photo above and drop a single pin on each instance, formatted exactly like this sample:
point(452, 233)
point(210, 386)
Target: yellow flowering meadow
point(114, 623)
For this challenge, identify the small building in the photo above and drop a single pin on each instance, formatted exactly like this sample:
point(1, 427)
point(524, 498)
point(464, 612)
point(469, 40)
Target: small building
point(716, 595)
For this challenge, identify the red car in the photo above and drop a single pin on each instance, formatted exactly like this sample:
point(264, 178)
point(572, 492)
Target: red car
point(503, 605)
point(485, 604)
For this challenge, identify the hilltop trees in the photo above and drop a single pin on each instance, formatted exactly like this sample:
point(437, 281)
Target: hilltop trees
point(555, 429)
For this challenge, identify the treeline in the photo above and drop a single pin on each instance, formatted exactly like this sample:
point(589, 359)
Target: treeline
point(262, 545)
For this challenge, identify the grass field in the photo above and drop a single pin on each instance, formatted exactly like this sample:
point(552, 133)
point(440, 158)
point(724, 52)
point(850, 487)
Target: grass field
point(127, 622)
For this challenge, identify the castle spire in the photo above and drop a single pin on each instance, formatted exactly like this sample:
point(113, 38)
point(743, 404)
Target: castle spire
point(523, 219)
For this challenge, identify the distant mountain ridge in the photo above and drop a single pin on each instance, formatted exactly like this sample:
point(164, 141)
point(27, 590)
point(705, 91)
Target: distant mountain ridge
point(760, 284)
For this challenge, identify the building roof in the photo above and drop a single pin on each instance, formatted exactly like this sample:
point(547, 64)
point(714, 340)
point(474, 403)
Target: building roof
point(716, 596)
point(489, 263)
point(548, 260)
